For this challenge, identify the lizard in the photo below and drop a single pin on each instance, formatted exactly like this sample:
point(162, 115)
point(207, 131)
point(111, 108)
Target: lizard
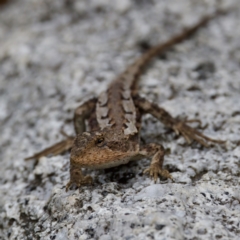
point(114, 120)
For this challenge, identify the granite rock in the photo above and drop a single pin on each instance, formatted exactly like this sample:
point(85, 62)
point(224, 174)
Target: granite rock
point(56, 54)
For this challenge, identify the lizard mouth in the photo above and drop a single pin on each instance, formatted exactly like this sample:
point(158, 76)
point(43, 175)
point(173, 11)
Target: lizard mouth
point(101, 159)
point(108, 163)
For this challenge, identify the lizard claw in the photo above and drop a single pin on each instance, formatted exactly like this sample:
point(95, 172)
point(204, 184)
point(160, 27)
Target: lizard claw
point(155, 170)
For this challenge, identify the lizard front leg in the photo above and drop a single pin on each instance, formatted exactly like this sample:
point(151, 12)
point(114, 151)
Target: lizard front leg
point(77, 177)
point(82, 113)
point(155, 169)
point(180, 127)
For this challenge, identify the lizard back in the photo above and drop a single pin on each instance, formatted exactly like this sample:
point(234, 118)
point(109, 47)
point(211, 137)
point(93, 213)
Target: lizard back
point(115, 107)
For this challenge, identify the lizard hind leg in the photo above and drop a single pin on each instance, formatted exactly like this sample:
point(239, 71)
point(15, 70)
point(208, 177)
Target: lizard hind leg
point(179, 126)
point(155, 169)
point(55, 149)
point(82, 113)
point(190, 134)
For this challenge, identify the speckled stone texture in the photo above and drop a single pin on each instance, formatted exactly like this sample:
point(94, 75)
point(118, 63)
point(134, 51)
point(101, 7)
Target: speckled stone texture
point(56, 54)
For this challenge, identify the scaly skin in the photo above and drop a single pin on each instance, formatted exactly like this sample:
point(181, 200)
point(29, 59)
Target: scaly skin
point(114, 119)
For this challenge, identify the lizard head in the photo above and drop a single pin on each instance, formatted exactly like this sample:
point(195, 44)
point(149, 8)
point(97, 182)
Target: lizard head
point(100, 149)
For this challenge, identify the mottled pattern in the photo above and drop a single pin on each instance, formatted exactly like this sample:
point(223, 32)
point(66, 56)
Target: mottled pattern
point(102, 111)
point(51, 57)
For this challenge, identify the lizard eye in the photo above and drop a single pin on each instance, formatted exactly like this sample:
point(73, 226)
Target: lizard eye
point(100, 141)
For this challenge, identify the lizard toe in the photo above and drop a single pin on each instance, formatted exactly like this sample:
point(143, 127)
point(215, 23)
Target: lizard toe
point(154, 171)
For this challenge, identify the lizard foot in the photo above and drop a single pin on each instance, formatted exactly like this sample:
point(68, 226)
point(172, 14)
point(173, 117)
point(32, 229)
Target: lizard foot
point(155, 170)
point(191, 134)
point(78, 178)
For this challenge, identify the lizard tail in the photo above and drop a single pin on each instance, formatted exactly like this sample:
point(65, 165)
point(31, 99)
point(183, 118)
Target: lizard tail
point(140, 63)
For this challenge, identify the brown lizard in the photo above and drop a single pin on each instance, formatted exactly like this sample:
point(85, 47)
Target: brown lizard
point(114, 119)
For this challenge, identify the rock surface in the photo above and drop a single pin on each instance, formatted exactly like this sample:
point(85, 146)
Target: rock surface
point(56, 54)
